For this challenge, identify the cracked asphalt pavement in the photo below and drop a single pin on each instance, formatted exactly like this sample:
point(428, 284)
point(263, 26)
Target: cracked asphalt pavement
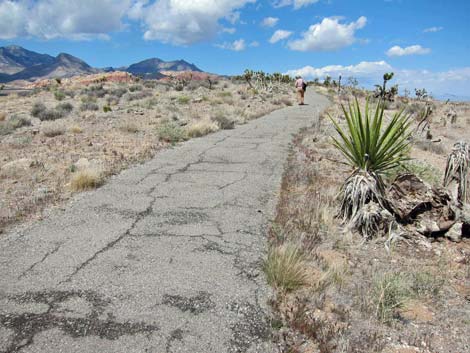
point(166, 257)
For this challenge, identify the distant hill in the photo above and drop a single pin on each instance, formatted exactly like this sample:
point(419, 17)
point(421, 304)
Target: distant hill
point(14, 59)
point(17, 63)
point(20, 64)
point(151, 68)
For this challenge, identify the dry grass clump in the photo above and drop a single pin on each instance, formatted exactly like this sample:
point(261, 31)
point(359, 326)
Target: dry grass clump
point(3, 116)
point(87, 179)
point(391, 291)
point(76, 129)
point(223, 121)
point(285, 267)
point(129, 127)
point(201, 128)
point(429, 146)
point(52, 129)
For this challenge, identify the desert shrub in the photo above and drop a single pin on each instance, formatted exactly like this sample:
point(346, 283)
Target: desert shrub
point(88, 99)
point(96, 91)
point(70, 93)
point(426, 284)
point(201, 128)
point(129, 127)
point(3, 116)
point(285, 267)
point(138, 95)
point(415, 108)
point(171, 132)
point(5, 128)
point(25, 93)
point(223, 121)
point(65, 107)
point(89, 106)
point(118, 92)
point(37, 109)
point(59, 95)
point(421, 169)
point(53, 129)
point(8, 126)
point(150, 103)
point(76, 129)
point(150, 84)
point(286, 101)
point(224, 94)
point(86, 180)
point(135, 88)
point(429, 146)
point(19, 121)
point(183, 99)
point(112, 100)
point(51, 114)
point(107, 109)
point(390, 292)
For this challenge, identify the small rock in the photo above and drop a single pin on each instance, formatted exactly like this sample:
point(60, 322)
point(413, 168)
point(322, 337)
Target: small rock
point(455, 232)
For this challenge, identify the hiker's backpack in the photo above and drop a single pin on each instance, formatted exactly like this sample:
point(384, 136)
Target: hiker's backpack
point(304, 85)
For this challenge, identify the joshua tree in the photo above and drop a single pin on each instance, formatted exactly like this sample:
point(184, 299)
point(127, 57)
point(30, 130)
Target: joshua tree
point(387, 77)
point(421, 93)
point(339, 84)
point(352, 81)
point(327, 81)
point(248, 76)
point(371, 150)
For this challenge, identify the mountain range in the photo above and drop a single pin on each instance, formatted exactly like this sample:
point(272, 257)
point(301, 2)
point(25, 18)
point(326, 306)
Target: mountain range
point(17, 63)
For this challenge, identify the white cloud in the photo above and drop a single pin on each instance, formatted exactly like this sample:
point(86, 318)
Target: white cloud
point(433, 29)
point(185, 22)
point(237, 45)
point(280, 34)
point(442, 84)
point(411, 50)
point(49, 19)
point(254, 44)
point(297, 3)
point(269, 21)
point(328, 35)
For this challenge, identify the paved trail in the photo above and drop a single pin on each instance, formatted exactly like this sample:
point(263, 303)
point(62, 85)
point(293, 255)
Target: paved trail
point(164, 258)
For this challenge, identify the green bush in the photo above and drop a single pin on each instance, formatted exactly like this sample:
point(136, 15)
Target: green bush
point(59, 95)
point(135, 88)
point(107, 109)
point(89, 106)
point(51, 114)
point(183, 99)
point(65, 107)
point(171, 132)
point(37, 109)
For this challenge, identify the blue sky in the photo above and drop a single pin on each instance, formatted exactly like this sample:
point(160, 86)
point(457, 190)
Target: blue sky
point(424, 42)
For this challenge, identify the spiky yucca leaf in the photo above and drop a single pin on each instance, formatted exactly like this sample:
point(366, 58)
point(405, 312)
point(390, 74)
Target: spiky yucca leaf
point(367, 144)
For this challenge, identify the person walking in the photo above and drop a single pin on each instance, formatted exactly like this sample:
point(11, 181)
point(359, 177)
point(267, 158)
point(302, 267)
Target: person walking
point(300, 86)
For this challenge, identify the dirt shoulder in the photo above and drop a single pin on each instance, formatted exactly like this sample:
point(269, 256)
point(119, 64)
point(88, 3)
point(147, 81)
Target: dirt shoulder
point(336, 291)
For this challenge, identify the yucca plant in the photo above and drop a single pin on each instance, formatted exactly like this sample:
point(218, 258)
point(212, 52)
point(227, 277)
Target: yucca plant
point(372, 148)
